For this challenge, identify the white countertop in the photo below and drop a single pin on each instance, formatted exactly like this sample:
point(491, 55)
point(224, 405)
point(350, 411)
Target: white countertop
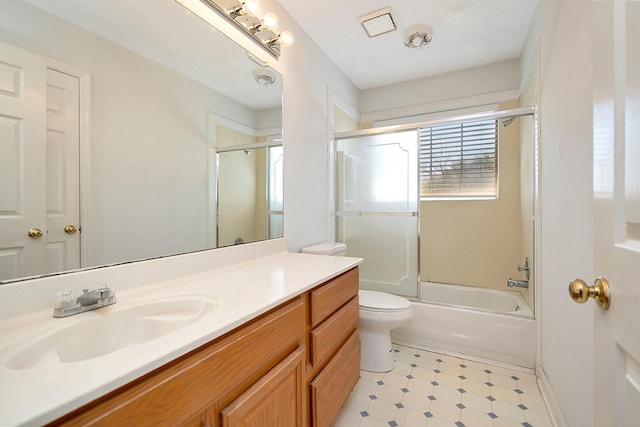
point(243, 290)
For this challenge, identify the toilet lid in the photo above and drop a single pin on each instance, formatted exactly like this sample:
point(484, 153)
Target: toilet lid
point(382, 301)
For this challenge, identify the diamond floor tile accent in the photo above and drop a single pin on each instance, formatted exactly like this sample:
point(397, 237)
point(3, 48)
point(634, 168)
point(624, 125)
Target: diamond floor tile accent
point(428, 389)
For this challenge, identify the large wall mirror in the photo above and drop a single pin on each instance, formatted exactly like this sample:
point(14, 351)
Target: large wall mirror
point(116, 121)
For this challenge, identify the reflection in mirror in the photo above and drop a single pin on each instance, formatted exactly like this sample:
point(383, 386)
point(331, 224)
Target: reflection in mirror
point(108, 124)
point(251, 210)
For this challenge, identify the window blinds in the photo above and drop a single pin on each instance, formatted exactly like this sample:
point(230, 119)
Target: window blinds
point(459, 160)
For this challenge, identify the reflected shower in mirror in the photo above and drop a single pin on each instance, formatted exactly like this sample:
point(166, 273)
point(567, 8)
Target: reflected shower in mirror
point(251, 209)
point(108, 125)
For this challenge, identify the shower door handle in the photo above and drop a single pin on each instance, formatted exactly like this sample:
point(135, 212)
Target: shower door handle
point(580, 292)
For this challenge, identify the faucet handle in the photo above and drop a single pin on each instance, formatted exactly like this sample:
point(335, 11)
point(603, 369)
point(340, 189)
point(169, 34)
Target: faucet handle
point(524, 267)
point(105, 292)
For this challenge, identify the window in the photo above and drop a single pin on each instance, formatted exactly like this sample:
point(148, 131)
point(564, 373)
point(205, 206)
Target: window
point(459, 160)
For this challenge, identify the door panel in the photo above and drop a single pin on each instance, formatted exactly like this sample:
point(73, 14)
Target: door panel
point(39, 166)
point(22, 163)
point(63, 171)
point(616, 166)
point(377, 208)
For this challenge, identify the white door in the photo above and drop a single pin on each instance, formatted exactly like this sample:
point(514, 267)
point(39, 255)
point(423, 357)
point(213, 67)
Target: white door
point(63, 172)
point(22, 163)
point(39, 166)
point(617, 211)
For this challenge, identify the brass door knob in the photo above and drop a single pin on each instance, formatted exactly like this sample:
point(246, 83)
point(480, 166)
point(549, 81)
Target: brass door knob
point(70, 229)
point(34, 233)
point(580, 292)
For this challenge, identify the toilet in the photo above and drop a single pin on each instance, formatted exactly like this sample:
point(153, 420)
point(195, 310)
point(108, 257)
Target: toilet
point(380, 312)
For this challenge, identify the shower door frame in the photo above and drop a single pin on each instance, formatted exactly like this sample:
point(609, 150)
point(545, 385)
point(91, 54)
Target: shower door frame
point(490, 115)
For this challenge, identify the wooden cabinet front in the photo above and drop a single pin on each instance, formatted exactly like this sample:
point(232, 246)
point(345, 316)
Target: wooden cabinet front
point(332, 386)
point(183, 392)
point(334, 346)
point(261, 374)
point(275, 400)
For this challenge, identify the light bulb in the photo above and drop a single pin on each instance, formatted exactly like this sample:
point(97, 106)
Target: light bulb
point(270, 20)
point(286, 38)
point(252, 6)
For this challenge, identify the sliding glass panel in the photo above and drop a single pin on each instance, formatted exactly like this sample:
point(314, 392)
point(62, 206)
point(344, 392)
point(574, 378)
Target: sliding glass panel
point(276, 194)
point(377, 208)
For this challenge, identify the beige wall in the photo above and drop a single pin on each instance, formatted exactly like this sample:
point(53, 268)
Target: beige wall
point(342, 121)
point(477, 242)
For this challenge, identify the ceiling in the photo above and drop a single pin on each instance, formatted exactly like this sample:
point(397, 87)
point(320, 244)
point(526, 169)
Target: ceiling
point(466, 33)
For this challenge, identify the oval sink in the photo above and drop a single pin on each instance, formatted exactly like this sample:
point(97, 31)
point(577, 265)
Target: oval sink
point(112, 330)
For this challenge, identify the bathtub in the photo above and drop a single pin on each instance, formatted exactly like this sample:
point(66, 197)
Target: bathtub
point(485, 324)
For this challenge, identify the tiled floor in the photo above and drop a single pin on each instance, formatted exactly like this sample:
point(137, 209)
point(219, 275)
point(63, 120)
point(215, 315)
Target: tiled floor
point(432, 390)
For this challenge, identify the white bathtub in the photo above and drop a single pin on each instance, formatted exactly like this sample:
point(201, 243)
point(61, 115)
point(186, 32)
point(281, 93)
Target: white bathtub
point(485, 324)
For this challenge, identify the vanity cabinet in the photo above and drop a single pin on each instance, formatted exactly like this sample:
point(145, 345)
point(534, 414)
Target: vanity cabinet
point(291, 367)
point(334, 346)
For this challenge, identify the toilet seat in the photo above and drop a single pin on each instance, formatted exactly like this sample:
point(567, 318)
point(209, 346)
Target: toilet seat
point(380, 301)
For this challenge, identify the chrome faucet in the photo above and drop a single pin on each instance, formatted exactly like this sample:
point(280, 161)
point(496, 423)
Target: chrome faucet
point(517, 283)
point(89, 300)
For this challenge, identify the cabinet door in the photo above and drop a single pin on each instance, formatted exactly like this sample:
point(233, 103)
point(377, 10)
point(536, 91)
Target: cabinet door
point(275, 400)
point(334, 383)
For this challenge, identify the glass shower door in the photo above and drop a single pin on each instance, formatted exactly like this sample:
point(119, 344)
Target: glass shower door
point(377, 208)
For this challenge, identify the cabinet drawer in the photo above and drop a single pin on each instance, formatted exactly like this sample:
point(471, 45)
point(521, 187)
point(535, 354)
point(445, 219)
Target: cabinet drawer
point(333, 295)
point(326, 338)
point(332, 385)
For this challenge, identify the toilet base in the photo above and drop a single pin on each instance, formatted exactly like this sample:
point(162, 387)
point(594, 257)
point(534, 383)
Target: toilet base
point(376, 353)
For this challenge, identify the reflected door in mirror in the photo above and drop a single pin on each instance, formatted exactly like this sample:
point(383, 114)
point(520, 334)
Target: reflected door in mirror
point(38, 166)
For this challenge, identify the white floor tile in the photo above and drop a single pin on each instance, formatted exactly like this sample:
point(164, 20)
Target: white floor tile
point(416, 402)
point(476, 374)
point(505, 395)
point(533, 402)
point(366, 386)
point(476, 387)
point(508, 411)
point(357, 402)
point(422, 387)
point(448, 380)
point(382, 410)
point(438, 422)
point(445, 410)
point(390, 394)
point(447, 394)
point(474, 418)
point(396, 379)
point(473, 401)
point(409, 418)
point(407, 396)
point(538, 419)
point(372, 422)
point(347, 418)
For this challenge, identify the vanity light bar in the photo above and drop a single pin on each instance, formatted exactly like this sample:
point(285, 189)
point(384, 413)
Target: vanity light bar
point(217, 18)
point(242, 17)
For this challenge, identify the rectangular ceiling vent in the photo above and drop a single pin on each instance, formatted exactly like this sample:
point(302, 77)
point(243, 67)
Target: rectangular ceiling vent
point(378, 22)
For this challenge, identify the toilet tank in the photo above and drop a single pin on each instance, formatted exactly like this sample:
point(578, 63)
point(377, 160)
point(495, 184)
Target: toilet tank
point(326, 248)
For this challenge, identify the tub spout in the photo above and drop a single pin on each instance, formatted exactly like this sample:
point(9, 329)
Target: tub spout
point(517, 283)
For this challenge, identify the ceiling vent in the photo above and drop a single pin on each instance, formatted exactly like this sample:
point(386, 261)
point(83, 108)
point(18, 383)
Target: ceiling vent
point(378, 22)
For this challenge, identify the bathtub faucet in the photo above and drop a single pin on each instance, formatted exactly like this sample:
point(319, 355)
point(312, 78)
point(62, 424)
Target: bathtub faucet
point(517, 283)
